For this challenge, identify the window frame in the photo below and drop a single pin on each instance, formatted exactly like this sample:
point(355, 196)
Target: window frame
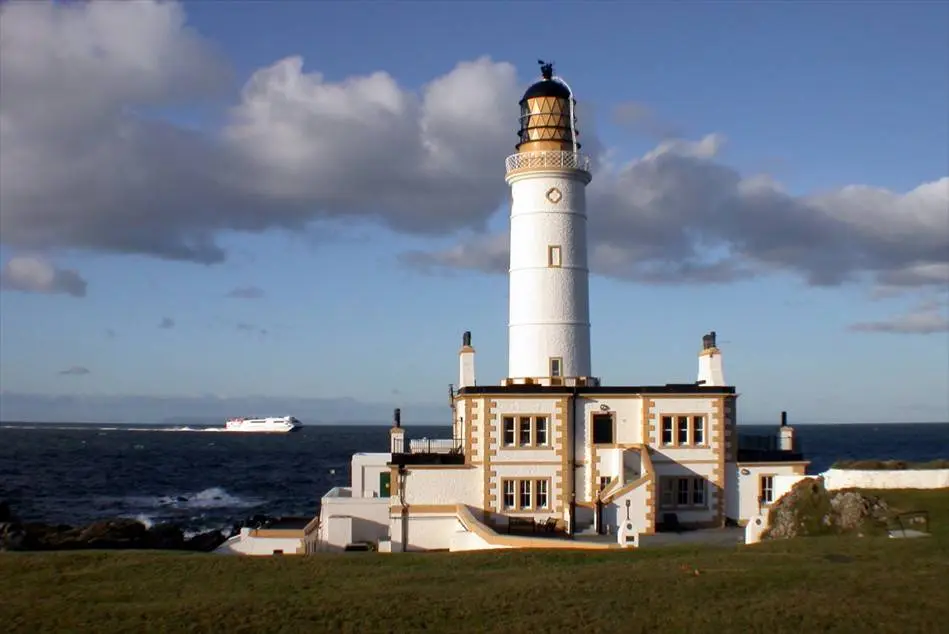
point(594, 416)
point(672, 489)
point(542, 493)
point(538, 428)
point(505, 493)
point(554, 256)
point(538, 491)
point(682, 432)
point(671, 430)
point(697, 433)
point(762, 499)
point(551, 362)
point(525, 431)
point(504, 431)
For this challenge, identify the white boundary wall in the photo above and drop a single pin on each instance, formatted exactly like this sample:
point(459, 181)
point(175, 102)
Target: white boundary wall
point(886, 479)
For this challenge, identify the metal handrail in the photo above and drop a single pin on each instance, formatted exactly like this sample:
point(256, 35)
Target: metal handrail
point(556, 159)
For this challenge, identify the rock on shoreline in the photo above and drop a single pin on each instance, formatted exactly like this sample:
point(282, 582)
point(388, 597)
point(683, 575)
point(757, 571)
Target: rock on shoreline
point(108, 534)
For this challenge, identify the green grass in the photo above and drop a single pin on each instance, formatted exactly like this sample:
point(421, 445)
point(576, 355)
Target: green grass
point(819, 584)
point(889, 465)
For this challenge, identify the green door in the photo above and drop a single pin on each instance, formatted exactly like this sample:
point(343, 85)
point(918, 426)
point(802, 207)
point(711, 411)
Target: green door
point(385, 484)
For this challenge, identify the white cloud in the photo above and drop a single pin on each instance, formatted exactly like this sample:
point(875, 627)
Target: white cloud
point(677, 215)
point(33, 274)
point(926, 319)
point(85, 167)
point(86, 163)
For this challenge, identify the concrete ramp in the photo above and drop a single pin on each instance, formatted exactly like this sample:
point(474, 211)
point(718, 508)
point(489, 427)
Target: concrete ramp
point(479, 536)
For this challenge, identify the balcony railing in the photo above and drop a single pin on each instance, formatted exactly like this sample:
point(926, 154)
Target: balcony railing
point(435, 445)
point(547, 159)
point(428, 451)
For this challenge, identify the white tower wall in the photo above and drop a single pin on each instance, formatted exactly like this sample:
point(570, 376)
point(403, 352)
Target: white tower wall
point(549, 305)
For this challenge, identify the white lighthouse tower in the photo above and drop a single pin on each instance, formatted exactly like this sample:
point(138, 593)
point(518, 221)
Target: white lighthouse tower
point(549, 324)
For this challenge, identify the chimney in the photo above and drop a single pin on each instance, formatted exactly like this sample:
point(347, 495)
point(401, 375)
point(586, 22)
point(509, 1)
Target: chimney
point(466, 362)
point(785, 434)
point(711, 372)
point(396, 433)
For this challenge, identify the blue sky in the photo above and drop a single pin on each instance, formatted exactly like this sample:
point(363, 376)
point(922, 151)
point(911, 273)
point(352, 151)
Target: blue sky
point(818, 96)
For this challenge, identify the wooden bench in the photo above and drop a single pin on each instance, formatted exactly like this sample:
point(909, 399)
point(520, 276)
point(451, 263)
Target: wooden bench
point(520, 524)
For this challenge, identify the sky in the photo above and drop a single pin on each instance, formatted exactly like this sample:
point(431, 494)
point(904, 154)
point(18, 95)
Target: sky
point(299, 207)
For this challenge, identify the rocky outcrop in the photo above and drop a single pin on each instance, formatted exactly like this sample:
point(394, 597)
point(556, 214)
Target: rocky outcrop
point(108, 534)
point(810, 509)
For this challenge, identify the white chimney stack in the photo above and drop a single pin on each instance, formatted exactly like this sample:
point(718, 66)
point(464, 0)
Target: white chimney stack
point(710, 363)
point(785, 434)
point(466, 362)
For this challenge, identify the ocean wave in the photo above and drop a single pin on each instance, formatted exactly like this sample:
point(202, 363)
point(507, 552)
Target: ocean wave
point(211, 498)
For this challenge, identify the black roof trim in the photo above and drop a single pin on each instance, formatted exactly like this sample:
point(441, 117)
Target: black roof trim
point(671, 388)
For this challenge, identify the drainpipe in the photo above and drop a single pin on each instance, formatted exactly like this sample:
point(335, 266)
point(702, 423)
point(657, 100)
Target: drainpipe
point(405, 508)
point(571, 462)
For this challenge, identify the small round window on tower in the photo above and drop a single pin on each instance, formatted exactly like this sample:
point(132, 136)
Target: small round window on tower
point(554, 195)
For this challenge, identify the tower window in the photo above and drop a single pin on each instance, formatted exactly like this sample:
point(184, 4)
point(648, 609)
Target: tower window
point(556, 367)
point(554, 256)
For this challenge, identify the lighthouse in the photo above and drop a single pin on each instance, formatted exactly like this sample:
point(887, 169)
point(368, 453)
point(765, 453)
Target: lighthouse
point(549, 318)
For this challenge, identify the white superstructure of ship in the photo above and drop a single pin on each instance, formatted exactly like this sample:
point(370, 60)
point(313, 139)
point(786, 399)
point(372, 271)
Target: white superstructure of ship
point(263, 424)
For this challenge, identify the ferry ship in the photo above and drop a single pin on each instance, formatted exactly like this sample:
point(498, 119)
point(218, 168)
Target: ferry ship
point(270, 424)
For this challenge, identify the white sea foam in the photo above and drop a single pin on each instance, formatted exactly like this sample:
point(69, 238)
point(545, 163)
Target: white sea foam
point(211, 498)
point(144, 519)
point(207, 499)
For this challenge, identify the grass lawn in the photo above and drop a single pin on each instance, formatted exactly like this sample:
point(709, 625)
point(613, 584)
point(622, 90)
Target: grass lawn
point(821, 584)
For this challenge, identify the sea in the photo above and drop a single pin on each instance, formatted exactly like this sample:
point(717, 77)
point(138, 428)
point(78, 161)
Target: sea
point(203, 478)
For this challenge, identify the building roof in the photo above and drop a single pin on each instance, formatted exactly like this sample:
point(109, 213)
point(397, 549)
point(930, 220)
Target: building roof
point(669, 388)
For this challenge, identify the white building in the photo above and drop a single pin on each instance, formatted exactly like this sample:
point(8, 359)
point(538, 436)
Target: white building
point(551, 456)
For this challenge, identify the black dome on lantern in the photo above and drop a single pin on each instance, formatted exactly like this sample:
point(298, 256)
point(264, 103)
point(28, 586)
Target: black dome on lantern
point(546, 88)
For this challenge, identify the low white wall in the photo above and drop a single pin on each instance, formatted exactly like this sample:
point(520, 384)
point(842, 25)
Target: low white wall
point(425, 532)
point(347, 520)
point(463, 541)
point(244, 544)
point(886, 479)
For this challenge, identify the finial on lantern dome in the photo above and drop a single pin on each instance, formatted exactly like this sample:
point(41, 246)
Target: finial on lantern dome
point(546, 69)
